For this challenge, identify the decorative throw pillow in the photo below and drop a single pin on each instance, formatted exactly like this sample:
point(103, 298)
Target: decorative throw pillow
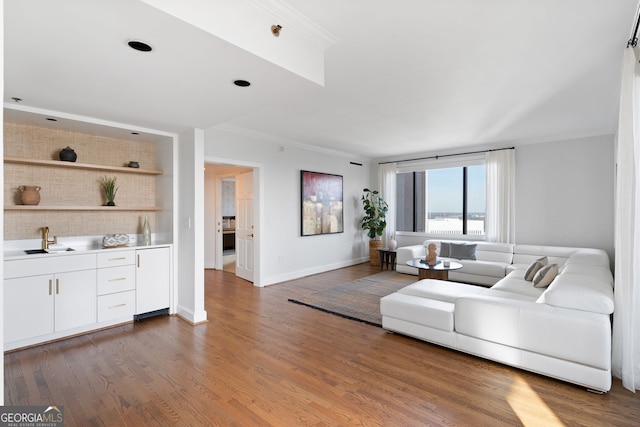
point(543, 260)
point(545, 276)
point(463, 251)
point(445, 249)
point(532, 270)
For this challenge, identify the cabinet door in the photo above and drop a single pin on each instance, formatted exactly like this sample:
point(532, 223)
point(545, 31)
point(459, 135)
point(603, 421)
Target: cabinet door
point(28, 307)
point(153, 280)
point(75, 299)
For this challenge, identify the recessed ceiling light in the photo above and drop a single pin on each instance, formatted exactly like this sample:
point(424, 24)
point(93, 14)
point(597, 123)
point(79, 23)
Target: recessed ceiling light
point(242, 83)
point(140, 45)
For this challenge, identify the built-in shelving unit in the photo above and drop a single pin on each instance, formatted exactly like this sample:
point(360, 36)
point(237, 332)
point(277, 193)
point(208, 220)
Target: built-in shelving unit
point(81, 208)
point(61, 164)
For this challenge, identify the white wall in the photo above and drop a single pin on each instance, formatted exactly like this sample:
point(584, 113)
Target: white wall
point(190, 242)
point(285, 254)
point(565, 193)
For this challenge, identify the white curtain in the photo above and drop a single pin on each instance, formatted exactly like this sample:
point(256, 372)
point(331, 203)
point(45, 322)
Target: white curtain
point(626, 317)
point(500, 198)
point(388, 189)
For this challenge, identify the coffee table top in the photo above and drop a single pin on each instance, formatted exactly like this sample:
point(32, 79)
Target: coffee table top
point(422, 263)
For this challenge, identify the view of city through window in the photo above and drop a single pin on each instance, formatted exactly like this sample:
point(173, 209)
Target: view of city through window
point(433, 201)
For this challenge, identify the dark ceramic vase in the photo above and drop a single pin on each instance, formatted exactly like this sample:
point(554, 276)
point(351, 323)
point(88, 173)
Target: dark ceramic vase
point(68, 155)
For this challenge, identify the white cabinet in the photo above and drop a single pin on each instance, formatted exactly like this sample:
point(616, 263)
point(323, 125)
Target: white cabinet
point(116, 285)
point(153, 279)
point(48, 304)
point(28, 307)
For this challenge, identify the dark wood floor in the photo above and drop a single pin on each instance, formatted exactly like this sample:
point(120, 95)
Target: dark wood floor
point(262, 360)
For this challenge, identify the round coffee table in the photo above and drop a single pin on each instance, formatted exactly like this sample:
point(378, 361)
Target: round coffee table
point(438, 271)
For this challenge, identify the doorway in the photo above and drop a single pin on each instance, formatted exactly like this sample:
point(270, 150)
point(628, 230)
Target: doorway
point(229, 219)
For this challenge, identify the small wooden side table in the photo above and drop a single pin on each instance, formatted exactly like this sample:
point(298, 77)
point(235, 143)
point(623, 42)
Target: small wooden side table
point(387, 258)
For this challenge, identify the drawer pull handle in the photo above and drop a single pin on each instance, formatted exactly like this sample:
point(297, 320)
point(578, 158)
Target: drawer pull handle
point(117, 259)
point(118, 279)
point(116, 306)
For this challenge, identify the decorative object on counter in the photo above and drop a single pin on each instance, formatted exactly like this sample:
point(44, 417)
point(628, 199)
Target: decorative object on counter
point(431, 254)
point(29, 194)
point(133, 164)
point(68, 155)
point(146, 230)
point(115, 240)
point(110, 189)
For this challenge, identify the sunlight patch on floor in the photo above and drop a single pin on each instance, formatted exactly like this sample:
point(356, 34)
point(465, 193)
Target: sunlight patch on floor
point(528, 406)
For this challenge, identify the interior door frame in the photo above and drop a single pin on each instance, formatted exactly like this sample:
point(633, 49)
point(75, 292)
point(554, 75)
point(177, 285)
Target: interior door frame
point(258, 171)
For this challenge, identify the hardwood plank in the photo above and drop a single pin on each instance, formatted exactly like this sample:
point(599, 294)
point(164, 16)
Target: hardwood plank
point(262, 360)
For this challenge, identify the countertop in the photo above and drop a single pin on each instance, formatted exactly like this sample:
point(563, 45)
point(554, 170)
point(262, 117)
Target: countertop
point(15, 253)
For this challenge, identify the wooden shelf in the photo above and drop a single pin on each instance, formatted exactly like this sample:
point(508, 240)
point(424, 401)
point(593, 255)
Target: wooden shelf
point(81, 208)
point(74, 165)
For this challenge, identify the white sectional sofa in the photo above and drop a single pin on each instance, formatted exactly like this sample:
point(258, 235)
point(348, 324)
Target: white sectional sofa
point(562, 331)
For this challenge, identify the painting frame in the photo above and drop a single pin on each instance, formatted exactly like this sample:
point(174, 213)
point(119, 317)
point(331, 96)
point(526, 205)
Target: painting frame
point(321, 203)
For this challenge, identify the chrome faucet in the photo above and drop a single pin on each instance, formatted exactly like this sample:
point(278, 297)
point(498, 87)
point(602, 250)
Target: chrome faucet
point(45, 238)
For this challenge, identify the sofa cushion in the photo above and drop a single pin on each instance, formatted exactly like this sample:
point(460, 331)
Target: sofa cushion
point(440, 290)
point(463, 251)
point(445, 249)
point(482, 268)
point(545, 276)
point(422, 311)
point(580, 292)
point(514, 282)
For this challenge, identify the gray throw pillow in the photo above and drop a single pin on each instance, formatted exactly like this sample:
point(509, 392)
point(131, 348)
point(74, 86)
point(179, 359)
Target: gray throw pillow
point(545, 276)
point(532, 270)
point(463, 251)
point(445, 249)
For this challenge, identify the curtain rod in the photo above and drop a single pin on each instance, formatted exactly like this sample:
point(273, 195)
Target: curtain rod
point(633, 41)
point(448, 155)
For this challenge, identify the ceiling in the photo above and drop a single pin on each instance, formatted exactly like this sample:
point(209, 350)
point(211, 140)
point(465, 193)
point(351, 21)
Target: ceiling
point(400, 78)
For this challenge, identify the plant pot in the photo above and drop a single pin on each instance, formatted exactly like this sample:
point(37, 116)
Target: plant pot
point(374, 257)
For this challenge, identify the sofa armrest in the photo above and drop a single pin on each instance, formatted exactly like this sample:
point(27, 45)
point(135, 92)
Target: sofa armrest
point(407, 253)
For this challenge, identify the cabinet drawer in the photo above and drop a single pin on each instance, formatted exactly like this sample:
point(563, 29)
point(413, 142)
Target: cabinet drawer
point(116, 279)
point(113, 258)
point(115, 306)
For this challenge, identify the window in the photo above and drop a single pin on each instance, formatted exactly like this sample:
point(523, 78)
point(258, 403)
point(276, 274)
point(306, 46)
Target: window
point(442, 201)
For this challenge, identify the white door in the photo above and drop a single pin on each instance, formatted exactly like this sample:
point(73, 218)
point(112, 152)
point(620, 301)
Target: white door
point(75, 299)
point(244, 226)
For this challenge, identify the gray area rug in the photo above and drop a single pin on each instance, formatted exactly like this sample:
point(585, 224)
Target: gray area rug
point(360, 299)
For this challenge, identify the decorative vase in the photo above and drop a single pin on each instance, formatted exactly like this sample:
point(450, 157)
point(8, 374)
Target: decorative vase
point(29, 194)
point(68, 155)
point(146, 231)
point(392, 244)
point(374, 256)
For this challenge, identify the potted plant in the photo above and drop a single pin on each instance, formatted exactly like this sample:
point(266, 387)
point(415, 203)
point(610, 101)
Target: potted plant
point(108, 184)
point(374, 221)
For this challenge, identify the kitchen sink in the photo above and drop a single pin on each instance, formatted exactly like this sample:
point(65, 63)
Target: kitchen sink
point(44, 251)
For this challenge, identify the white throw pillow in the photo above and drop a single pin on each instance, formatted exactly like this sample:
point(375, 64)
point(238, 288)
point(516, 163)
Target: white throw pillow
point(545, 276)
